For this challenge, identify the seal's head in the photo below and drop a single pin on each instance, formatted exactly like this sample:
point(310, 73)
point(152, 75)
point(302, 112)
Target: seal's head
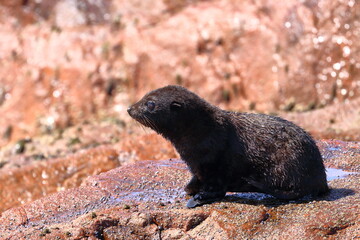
point(169, 110)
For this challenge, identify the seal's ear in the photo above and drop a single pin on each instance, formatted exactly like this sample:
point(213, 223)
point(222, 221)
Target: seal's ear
point(175, 106)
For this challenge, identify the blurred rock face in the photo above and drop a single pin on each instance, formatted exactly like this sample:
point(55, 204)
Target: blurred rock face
point(67, 60)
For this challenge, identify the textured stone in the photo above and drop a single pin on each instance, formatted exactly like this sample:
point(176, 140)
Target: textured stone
point(146, 200)
point(21, 185)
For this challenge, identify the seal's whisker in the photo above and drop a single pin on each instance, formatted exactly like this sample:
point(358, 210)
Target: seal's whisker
point(142, 126)
point(152, 124)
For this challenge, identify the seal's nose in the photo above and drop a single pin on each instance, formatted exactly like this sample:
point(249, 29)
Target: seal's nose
point(129, 110)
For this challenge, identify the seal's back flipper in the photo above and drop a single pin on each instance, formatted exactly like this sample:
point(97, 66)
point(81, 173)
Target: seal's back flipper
point(277, 192)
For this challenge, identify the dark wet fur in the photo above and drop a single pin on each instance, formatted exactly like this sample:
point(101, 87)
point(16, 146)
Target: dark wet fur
point(233, 152)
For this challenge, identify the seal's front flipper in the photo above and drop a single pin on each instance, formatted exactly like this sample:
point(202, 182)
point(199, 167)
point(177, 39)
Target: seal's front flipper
point(196, 202)
point(193, 203)
point(193, 187)
point(204, 198)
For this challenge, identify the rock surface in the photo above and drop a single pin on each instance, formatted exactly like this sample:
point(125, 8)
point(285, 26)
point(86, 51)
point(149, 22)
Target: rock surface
point(69, 69)
point(146, 200)
point(40, 178)
point(338, 121)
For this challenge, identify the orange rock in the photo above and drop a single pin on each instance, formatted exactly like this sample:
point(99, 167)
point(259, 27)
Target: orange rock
point(147, 146)
point(28, 183)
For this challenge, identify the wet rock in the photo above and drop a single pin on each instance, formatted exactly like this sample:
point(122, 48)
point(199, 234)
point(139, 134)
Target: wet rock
point(349, 152)
point(143, 185)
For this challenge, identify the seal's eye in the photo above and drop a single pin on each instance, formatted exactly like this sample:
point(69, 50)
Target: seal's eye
point(150, 105)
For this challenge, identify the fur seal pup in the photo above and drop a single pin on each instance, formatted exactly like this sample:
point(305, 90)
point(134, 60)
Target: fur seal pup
point(233, 152)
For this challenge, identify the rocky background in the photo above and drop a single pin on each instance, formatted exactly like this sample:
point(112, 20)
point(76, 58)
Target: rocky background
point(70, 68)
